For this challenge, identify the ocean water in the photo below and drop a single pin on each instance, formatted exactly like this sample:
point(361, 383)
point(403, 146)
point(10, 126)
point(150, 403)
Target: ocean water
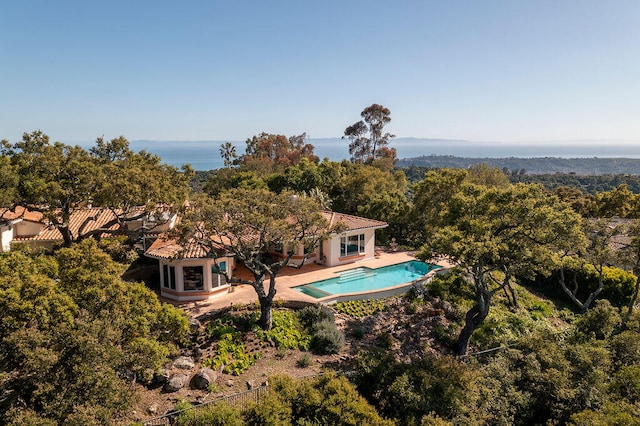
point(205, 155)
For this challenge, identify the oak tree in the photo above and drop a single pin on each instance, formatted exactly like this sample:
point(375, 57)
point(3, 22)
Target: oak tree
point(250, 224)
point(58, 179)
point(495, 235)
point(69, 329)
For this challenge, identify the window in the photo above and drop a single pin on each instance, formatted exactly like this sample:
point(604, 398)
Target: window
point(218, 279)
point(352, 245)
point(165, 276)
point(169, 277)
point(193, 278)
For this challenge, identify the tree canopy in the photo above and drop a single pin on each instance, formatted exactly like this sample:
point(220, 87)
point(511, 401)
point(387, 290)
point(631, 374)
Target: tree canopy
point(252, 224)
point(277, 151)
point(367, 140)
point(496, 234)
point(58, 179)
point(69, 329)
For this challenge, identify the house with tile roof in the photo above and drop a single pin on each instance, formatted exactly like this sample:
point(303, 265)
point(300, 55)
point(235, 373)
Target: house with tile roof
point(192, 271)
point(18, 224)
point(21, 225)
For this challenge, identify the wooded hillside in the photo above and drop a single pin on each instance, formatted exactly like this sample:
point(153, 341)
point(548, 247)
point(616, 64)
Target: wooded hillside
point(539, 165)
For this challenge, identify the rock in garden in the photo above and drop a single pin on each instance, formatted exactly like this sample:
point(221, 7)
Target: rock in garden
point(250, 384)
point(176, 382)
point(194, 325)
point(448, 308)
point(230, 383)
point(153, 408)
point(184, 363)
point(197, 353)
point(203, 378)
point(162, 376)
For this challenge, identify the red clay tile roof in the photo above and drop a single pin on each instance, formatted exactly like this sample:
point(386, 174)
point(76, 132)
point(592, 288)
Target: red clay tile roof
point(20, 213)
point(166, 248)
point(353, 223)
point(95, 218)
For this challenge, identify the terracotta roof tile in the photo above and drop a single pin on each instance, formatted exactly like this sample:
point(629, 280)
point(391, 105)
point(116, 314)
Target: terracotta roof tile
point(166, 248)
point(20, 213)
point(93, 219)
point(353, 223)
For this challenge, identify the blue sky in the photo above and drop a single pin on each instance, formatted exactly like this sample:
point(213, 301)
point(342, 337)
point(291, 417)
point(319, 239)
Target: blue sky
point(225, 70)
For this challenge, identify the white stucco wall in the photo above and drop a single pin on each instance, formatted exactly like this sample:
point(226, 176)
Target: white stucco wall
point(331, 248)
point(6, 235)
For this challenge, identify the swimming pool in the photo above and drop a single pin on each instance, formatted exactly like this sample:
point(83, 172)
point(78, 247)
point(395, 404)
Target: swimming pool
point(365, 279)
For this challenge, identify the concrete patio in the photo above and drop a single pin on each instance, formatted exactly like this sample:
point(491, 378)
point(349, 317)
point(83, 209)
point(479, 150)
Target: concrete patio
point(287, 279)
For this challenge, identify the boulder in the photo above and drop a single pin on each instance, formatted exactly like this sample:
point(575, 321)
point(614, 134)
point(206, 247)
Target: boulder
point(194, 325)
point(153, 409)
point(162, 376)
point(197, 353)
point(176, 382)
point(184, 363)
point(203, 378)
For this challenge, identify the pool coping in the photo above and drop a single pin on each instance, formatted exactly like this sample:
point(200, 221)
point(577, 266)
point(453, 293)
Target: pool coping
point(380, 293)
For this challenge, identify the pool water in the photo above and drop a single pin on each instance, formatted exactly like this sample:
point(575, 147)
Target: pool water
point(366, 279)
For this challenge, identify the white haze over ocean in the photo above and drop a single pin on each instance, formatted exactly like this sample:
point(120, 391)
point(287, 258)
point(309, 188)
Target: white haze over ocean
point(205, 155)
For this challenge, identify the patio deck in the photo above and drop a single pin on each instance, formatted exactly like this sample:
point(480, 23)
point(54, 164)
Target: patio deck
point(287, 279)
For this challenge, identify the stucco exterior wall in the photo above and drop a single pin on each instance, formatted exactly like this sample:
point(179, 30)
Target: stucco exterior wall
point(179, 293)
point(331, 248)
point(6, 235)
point(26, 228)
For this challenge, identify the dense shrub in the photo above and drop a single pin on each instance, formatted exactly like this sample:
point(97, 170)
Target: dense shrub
point(326, 338)
point(626, 383)
point(611, 414)
point(618, 284)
point(503, 326)
point(434, 387)
point(625, 348)
point(313, 314)
point(600, 321)
point(547, 376)
point(324, 400)
point(218, 414)
point(72, 333)
point(453, 288)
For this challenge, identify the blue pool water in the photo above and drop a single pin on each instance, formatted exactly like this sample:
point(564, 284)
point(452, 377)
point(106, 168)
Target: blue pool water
point(366, 279)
